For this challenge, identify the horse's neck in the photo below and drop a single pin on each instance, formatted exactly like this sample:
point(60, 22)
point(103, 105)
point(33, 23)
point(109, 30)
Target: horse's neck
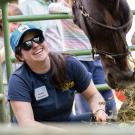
point(111, 5)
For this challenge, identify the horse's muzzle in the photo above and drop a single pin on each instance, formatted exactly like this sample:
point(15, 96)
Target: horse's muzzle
point(121, 79)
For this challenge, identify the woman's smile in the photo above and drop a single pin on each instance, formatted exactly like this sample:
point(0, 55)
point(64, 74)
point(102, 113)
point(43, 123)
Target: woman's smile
point(38, 52)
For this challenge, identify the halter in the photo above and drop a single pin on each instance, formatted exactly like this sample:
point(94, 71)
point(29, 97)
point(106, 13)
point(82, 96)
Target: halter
point(118, 29)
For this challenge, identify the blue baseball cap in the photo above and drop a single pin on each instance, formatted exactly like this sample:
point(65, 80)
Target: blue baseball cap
point(18, 33)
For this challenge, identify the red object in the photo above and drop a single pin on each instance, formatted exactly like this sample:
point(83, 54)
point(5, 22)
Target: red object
point(120, 95)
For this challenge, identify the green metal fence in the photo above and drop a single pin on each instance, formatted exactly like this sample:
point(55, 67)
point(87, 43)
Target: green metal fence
point(6, 20)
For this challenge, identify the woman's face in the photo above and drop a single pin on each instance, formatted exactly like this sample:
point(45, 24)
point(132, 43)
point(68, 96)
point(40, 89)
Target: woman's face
point(37, 49)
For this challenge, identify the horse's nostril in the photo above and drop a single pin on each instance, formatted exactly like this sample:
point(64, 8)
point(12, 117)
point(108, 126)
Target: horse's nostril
point(111, 80)
point(110, 77)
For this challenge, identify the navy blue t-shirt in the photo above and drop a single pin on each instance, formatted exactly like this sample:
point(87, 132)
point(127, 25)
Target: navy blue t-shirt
point(48, 103)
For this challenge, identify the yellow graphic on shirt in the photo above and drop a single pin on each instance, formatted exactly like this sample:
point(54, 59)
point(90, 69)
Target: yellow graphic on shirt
point(68, 85)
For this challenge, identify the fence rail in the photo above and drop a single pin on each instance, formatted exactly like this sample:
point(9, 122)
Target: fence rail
point(74, 129)
point(38, 17)
point(41, 17)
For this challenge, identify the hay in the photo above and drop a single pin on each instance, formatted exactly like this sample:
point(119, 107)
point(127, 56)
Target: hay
point(127, 110)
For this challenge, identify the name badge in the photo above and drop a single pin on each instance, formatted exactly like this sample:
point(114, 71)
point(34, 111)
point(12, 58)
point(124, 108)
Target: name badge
point(41, 93)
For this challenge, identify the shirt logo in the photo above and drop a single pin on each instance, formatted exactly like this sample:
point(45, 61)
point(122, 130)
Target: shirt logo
point(41, 93)
point(68, 85)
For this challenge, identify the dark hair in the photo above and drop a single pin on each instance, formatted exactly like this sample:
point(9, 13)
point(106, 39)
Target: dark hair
point(17, 50)
point(18, 53)
point(58, 70)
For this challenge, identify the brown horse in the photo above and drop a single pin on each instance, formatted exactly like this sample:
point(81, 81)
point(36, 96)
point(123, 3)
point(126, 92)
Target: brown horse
point(106, 23)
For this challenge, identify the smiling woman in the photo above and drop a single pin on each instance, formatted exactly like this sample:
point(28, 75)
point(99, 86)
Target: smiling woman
point(47, 82)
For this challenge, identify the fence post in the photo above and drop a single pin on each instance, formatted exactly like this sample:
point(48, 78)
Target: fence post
point(3, 6)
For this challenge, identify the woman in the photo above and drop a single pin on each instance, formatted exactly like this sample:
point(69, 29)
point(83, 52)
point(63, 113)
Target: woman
point(46, 82)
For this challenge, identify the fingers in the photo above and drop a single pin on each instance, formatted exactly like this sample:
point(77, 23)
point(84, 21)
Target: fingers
point(101, 116)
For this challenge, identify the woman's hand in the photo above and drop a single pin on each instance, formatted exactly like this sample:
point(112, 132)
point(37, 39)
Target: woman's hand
point(100, 115)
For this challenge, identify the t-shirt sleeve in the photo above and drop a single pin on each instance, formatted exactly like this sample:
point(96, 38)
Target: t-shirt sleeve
point(80, 75)
point(18, 89)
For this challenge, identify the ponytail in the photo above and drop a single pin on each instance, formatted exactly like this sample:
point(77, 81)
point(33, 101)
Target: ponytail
point(58, 70)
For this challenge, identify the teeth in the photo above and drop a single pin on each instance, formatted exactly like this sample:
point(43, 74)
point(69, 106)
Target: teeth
point(39, 51)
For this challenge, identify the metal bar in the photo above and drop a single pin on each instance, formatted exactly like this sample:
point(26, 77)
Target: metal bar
point(102, 87)
point(78, 52)
point(6, 39)
point(7, 54)
point(132, 47)
point(20, 18)
point(88, 52)
point(3, 2)
point(23, 18)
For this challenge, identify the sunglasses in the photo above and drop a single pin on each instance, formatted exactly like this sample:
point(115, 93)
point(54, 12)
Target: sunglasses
point(27, 45)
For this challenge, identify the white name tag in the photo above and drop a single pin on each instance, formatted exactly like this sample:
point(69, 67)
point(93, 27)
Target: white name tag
point(41, 93)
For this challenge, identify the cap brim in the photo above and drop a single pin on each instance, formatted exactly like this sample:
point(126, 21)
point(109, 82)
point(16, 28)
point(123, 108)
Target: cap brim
point(29, 30)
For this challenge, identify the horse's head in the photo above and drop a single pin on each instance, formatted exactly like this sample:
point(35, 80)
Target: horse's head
point(106, 23)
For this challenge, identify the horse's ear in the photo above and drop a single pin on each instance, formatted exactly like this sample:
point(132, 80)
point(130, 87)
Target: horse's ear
point(76, 15)
point(117, 6)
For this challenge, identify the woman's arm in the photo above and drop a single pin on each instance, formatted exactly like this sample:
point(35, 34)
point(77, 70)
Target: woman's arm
point(25, 118)
point(96, 102)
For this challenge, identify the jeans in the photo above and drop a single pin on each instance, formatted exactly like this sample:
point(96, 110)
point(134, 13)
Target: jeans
point(95, 67)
